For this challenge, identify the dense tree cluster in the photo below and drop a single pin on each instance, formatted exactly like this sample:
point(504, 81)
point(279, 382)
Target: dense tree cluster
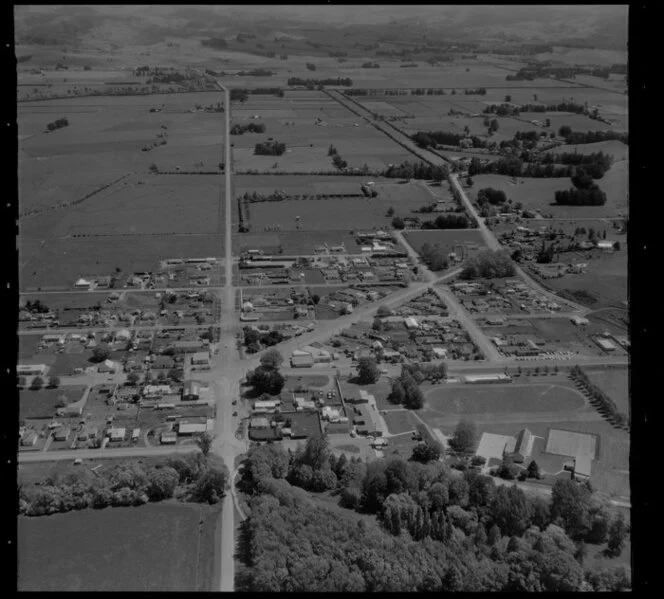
point(36, 306)
point(405, 388)
point(415, 170)
point(370, 65)
point(57, 124)
point(583, 195)
point(590, 137)
point(433, 138)
point(435, 531)
point(495, 197)
point(367, 371)
point(255, 73)
point(125, 484)
point(254, 340)
point(488, 264)
point(217, 43)
point(449, 221)
point(434, 256)
point(269, 148)
point(248, 128)
point(239, 95)
point(266, 378)
point(312, 83)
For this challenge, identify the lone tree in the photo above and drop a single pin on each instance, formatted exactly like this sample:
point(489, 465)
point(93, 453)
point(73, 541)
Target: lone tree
point(533, 470)
point(465, 436)
point(272, 358)
point(37, 383)
point(132, 378)
point(101, 353)
point(53, 382)
point(204, 443)
point(383, 311)
point(367, 370)
point(21, 381)
point(398, 223)
point(427, 452)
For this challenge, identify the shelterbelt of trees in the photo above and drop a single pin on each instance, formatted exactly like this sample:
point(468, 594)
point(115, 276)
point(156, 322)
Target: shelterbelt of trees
point(413, 526)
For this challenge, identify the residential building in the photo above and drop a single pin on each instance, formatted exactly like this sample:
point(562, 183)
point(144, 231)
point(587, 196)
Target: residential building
point(168, 438)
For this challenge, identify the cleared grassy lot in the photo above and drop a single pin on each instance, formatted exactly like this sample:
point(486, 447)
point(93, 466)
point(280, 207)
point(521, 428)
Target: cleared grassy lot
point(401, 421)
point(163, 547)
point(41, 404)
point(615, 383)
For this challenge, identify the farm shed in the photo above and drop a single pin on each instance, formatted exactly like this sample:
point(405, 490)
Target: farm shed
point(191, 428)
point(29, 439)
point(116, 434)
point(410, 323)
point(30, 369)
point(191, 391)
point(487, 378)
point(62, 433)
point(168, 438)
point(302, 361)
point(579, 321)
point(605, 344)
point(523, 446)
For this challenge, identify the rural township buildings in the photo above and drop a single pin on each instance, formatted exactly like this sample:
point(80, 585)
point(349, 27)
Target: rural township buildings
point(168, 438)
point(487, 378)
point(200, 360)
point(191, 428)
point(31, 369)
point(301, 359)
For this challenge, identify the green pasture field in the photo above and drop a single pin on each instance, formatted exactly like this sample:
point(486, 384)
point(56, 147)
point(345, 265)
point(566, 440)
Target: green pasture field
point(584, 56)
point(604, 284)
point(293, 242)
point(41, 403)
point(538, 194)
point(446, 239)
point(104, 139)
point(27, 345)
point(157, 547)
point(344, 213)
point(147, 205)
point(400, 421)
point(449, 403)
point(59, 262)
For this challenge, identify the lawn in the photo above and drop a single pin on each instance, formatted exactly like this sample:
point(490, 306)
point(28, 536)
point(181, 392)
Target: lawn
point(400, 421)
point(445, 405)
point(164, 547)
point(41, 403)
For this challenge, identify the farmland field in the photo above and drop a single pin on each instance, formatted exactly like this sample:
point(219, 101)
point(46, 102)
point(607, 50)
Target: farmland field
point(41, 404)
point(350, 213)
point(59, 262)
point(163, 547)
point(539, 194)
point(446, 239)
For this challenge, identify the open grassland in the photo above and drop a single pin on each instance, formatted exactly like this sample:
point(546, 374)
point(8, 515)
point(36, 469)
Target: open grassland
point(445, 238)
point(615, 148)
point(293, 121)
point(104, 140)
point(41, 404)
point(163, 547)
point(615, 383)
point(148, 204)
point(294, 242)
point(58, 263)
point(349, 213)
point(604, 284)
point(539, 194)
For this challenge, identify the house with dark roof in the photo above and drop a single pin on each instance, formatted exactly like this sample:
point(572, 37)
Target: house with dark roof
point(523, 446)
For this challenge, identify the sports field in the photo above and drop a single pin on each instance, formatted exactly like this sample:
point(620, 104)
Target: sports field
point(164, 547)
point(449, 403)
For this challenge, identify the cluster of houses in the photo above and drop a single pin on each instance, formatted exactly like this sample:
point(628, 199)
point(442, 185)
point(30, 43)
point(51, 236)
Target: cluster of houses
point(416, 338)
point(502, 297)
